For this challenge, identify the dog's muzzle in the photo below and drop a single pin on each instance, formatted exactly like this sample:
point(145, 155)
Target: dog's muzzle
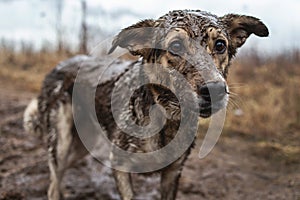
point(213, 97)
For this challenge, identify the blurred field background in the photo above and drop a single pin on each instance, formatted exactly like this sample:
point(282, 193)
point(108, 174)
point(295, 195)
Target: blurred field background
point(263, 114)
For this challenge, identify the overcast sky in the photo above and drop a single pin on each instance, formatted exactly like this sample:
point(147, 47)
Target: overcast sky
point(34, 20)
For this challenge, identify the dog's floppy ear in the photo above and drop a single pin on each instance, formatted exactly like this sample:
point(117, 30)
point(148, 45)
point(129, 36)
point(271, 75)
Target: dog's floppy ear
point(136, 38)
point(240, 27)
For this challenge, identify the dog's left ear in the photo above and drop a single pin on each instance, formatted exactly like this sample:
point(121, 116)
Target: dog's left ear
point(240, 27)
point(136, 38)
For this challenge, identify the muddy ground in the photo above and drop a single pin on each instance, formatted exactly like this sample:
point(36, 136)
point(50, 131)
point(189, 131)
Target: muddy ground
point(234, 170)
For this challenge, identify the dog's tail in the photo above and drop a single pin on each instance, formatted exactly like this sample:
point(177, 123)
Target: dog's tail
point(31, 121)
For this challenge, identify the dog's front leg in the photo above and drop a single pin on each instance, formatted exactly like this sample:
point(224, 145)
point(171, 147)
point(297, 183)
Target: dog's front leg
point(170, 177)
point(124, 184)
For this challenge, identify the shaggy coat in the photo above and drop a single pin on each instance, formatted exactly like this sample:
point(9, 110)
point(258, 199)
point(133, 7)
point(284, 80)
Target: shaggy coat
point(194, 43)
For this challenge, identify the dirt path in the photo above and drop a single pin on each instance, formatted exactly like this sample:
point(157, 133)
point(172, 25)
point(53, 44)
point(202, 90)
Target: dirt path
point(234, 170)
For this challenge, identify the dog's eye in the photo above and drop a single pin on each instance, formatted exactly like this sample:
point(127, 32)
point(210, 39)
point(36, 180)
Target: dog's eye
point(220, 46)
point(176, 47)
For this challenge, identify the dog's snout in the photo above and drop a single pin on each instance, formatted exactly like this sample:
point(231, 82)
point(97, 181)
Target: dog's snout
point(213, 91)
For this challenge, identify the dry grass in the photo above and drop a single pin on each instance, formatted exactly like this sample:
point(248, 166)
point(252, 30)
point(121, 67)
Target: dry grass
point(264, 107)
point(26, 70)
point(265, 104)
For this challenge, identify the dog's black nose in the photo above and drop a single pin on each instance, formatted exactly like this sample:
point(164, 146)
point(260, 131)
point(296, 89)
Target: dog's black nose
point(213, 91)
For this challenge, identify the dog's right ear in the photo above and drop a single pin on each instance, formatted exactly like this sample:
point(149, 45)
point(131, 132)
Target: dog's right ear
point(136, 38)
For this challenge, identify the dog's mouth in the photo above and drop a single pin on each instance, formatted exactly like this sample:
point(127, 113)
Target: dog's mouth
point(213, 96)
point(207, 108)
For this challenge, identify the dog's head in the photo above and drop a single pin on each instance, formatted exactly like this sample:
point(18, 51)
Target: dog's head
point(197, 44)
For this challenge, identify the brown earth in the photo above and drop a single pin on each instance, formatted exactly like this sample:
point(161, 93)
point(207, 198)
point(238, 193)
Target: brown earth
point(237, 168)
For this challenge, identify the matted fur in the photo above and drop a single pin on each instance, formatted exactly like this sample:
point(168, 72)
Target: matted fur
point(218, 36)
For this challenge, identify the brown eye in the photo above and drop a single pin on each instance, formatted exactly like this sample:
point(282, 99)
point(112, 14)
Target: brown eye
point(220, 46)
point(176, 47)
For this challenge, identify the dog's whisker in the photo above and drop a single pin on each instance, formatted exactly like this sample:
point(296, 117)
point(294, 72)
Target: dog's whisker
point(236, 85)
point(237, 101)
point(234, 105)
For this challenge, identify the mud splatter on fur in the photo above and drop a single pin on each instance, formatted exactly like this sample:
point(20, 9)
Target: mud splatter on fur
point(195, 43)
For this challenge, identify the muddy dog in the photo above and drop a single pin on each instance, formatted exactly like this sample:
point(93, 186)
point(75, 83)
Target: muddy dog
point(197, 44)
